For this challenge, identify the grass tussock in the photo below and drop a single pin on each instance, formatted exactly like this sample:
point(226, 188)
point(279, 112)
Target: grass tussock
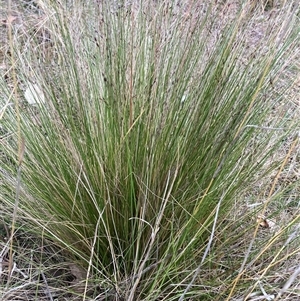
point(150, 126)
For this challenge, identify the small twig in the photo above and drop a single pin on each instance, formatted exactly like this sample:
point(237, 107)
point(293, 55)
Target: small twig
point(150, 267)
point(205, 253)
point(265, 295)
point(155, 230)
point(47, 287)
point(17, 270)
point(288, 283)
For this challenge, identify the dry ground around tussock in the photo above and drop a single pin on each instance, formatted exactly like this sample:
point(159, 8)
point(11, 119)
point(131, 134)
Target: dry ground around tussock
point(42, 272)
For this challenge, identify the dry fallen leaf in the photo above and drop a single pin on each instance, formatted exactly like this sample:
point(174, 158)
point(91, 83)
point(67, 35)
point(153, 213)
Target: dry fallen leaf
point(265, 223)
point(262, 221)
point(79, 283)
point(78, 272)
